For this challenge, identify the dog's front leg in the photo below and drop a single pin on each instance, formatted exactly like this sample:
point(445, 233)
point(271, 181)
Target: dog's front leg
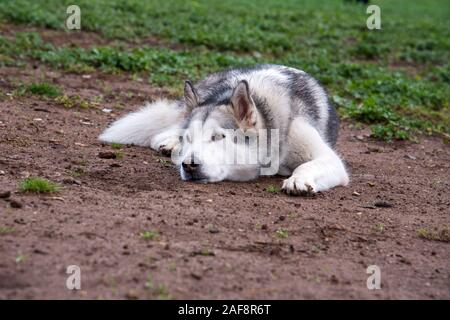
point(325, 169)
point(167, 141)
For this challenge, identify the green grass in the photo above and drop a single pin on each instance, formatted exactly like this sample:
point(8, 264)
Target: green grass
point(160, 290)
point(42, 89)
point(272, 189)
point(6, 230)
point(149, 235)
point(38, 185)
point(442, 235)
point(116, 146)
point(394, 79)
point(282, 233)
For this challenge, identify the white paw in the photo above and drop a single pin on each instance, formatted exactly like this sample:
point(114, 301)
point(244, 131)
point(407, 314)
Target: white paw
point(298, 185)
point(167, 145)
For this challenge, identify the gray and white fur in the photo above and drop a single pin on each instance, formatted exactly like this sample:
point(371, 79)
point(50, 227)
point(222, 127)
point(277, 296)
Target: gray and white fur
point(261, 97)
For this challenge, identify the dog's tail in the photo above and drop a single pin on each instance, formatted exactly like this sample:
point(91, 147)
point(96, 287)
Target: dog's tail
point(140, 127)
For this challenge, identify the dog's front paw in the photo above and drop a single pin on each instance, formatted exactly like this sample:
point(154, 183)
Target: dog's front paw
point(297, 185)
point(167, 146)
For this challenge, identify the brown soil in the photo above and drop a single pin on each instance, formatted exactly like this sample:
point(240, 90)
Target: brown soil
point(215, 240)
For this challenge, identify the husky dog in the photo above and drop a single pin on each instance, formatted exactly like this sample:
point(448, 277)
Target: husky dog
point(263, 97)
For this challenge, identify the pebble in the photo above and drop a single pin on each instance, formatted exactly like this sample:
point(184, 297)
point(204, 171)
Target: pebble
point(71, 181)
point(15, 204)
point(107, 155)
point(383, 204)
point(213, 230)
point(5, 194)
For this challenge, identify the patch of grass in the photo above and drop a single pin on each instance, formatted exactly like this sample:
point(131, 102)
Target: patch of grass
point(272, 189)
point(119, 154)
point(149, 235)
point(207, 253)
point(6, 230)
point(394, 79)
point(165, 162)
point(74, 101)
point(442, 235)
point(282, 233)
point(20, 258)
point(380, 227)
point(42, 89)
point(77, 172)
point(160, 290)
point(116, 146)
point(38, 185)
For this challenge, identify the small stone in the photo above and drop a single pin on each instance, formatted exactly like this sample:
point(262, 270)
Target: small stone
point(132, 295)
point(15, 204)
point(282, 218)
point(209, 200)
point(213, 230)
point(5, 194)
point(71, 181)
point(356, 193)
point(107, 155)
point(2, 173)
point(383, 204)
point(196, 276)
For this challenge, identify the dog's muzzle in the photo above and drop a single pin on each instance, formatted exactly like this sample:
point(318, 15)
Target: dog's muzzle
point(192, 172)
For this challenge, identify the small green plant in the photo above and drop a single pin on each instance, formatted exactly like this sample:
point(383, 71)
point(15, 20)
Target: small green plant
point(207, 253)
point(119, 154)
point(20, 258)
point(77, 172)
point(116, 146)
point(165, 162)
point(38, 185)
point(43, 89)
point(380, 227)
point(70, 102)
point(442, 235)
point(149, 235)
point(282, 233)
point(160, 290)
point(272, 189)
point(6, 229)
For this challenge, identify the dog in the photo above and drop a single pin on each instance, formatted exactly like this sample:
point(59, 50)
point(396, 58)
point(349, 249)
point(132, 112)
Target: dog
point(252, 101)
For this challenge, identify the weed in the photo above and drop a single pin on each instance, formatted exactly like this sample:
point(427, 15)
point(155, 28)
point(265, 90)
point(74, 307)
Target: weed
point(149, 235)
point(38, 185)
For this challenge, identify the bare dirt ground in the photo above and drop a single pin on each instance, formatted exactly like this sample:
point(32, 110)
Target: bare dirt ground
point(215, 240)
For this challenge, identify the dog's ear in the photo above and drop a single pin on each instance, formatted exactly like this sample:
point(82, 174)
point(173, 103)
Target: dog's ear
point(190, 95)
point(243, 106)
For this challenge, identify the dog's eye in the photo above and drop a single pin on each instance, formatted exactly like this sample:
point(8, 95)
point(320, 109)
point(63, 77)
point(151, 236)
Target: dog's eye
point(217, 137)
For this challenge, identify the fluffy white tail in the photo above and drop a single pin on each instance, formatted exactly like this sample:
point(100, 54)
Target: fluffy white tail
point(142, 126)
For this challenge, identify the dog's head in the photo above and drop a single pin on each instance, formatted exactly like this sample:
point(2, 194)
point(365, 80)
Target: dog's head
point(219, 140)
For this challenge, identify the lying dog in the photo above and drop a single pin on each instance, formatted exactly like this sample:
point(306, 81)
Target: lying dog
point(252, 101)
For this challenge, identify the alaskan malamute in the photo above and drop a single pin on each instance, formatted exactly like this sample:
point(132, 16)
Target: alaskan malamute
point(285, 105)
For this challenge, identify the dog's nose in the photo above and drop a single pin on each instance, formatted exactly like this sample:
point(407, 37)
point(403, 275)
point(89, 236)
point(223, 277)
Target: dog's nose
point(190, 167)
